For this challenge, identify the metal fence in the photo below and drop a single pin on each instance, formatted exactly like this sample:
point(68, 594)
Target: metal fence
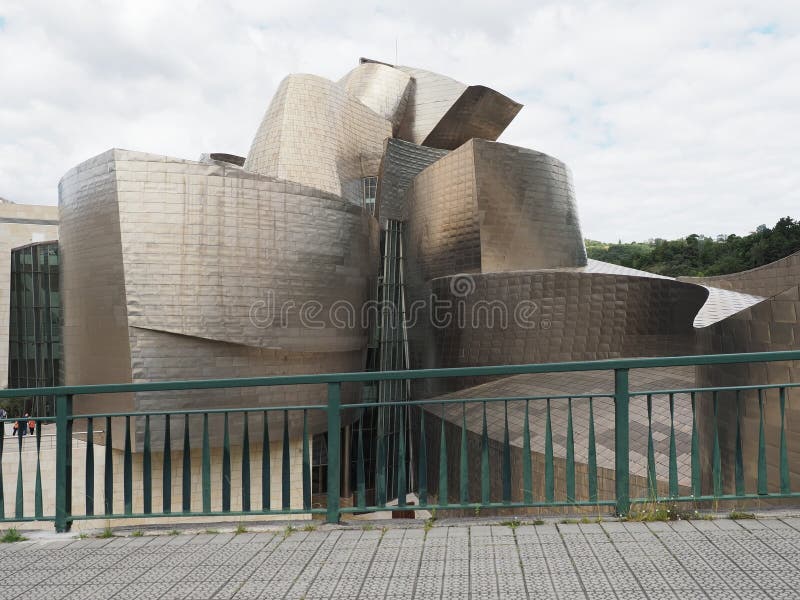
point(184, 483)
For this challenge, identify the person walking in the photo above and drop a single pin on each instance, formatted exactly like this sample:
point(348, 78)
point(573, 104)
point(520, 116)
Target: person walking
point(31, 425)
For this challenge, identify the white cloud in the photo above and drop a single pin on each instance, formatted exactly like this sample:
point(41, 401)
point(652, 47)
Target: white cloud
point(675, 117)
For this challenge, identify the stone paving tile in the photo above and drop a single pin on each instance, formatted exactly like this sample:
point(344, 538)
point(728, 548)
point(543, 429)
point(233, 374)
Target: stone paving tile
point(685, 560)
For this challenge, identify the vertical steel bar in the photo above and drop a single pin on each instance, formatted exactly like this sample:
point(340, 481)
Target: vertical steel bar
point(361, 490)
point(762, 447)
point(716, 458)
point(2, 490)
point(463, 484)
point(334, 433)
point(266, 493)
point(696, 487)
point(443, 491)
point(246, 463)
point(127, 470)
point(89, 462)
point(485, 482)
point(108, 470)
point(673, 452)
point(37, 503)
point(147, 468)
point(166, 476)
point(739, 458)
point(286, 469)
point(206, 467)
point(506, 458)
point(422, 470)
point(63, 462)
point(549, 479)
point(570, 454)
point(306, 465)
point(20, 496)
point(592, 455)
point(652, 490)
point(402, 490)
point(226, 465)
point(784, 455)
point(527, 469)
point(187, 467)
point(622, 441)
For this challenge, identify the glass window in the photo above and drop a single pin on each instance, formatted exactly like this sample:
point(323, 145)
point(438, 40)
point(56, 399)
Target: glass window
point(370, 185)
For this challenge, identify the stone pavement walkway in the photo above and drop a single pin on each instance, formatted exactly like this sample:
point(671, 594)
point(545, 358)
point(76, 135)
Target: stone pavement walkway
point(685, 559)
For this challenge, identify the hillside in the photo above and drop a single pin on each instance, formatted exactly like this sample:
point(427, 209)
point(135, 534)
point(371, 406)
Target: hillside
point(699, 255)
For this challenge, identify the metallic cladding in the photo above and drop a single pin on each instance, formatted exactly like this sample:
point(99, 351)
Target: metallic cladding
point(767, 280)
point(773, 324)
point(164, 260)
point(401, 162)
point(479, 112)
point(316, 134)
point(382, 88)
point(568, 316)
point(489, 207)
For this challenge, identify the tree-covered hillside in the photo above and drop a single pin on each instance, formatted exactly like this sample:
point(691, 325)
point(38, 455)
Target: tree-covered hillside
point(699, 255)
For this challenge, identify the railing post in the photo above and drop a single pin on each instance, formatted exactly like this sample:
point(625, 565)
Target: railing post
point(334, 458)
point(621, 441)
point(63, 463)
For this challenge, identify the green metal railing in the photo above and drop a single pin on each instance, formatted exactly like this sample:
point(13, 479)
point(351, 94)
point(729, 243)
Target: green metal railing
point(455, 464)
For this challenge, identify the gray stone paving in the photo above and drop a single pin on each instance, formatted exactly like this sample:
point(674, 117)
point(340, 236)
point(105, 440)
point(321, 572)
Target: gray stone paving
point(685, 559)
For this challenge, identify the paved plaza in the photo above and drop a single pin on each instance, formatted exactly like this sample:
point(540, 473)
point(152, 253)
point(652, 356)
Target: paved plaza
point(456, 559)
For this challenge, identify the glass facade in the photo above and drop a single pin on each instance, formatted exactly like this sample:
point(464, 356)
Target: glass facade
point(370, 192)
point(35, 323)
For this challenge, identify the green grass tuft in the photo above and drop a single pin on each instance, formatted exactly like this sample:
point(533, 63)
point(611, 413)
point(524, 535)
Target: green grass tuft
point(11, 536)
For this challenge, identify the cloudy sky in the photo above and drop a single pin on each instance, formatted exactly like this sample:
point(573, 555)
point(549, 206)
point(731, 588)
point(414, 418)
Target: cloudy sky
point(676, 117)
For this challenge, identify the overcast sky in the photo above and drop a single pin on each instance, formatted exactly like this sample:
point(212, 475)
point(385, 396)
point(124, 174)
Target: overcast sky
point(676, 117)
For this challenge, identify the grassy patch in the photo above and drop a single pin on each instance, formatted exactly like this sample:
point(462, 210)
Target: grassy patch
point(288, 530)
point(240, 528)
point(12, 535)
point(737, 515)
point(212, 531)
point(173, 532)
point(309, 527)
point(655, 511)
point(367, 527)
point(137, 533)
point(512, 523)
point(537, 522)
point(107, 533)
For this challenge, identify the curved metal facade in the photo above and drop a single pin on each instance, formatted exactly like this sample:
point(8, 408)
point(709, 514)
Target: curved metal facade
point(192, 270)
point(490, 207)
point(767, 280)
point(316, 134)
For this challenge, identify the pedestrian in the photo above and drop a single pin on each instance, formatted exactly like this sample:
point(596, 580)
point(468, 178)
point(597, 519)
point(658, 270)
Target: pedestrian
point(3, 413)
point(31, 426)
point(16, 428)
point(22, 425)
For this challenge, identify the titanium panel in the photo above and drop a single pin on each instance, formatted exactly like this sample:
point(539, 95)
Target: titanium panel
point(771, 325)
point(316, 134)
point(480, 112)
point(489, 207)
point(166, 259)
point(382, 88)
point(401, 162)
point(765, 281)
point(430, 97)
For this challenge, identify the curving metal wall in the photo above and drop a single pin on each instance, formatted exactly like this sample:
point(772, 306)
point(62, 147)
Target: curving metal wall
point(175, 269)
point(767, 280)
point(314, 133)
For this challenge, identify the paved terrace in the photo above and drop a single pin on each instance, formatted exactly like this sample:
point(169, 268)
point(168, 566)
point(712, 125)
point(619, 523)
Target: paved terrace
point(685, 559)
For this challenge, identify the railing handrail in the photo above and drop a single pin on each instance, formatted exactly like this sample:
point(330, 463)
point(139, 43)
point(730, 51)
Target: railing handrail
point(364, 376)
